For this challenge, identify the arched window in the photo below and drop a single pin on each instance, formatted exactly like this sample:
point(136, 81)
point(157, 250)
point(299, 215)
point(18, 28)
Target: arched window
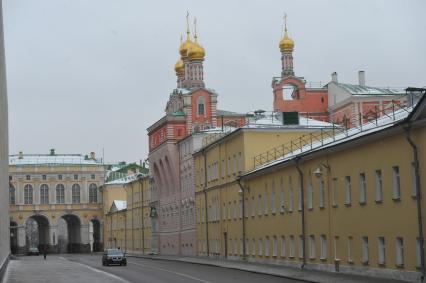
point(28, 194)
point(93, 193)
point(12, 194)
point(44, 194)
point(60, 193)
point(200, 106)
point(76, 193)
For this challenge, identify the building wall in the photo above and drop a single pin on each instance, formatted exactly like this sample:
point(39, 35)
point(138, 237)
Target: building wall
point(219, 199)
point(52, 212)
point(4, 146)
point(345, 218)
point(130, 228)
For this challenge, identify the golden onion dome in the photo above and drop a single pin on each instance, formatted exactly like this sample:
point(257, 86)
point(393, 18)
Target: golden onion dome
point(184, 47)
point(196, 52)
point(179, 67)
point(286, 43)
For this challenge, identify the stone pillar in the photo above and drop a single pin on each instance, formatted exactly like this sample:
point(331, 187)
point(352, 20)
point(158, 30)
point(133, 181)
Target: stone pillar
point(84, 238)
point(21, 239)
point(53, 239)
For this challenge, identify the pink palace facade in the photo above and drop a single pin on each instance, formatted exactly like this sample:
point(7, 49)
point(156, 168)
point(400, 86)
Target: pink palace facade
point(191, 108)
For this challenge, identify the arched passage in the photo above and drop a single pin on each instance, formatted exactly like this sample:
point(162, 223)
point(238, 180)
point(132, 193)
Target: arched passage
point(73, 234)
point(37, 232)
point(95, 231)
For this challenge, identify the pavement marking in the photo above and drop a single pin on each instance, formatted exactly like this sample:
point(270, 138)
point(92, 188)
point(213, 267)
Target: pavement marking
point(98, 270)
point(173, 272)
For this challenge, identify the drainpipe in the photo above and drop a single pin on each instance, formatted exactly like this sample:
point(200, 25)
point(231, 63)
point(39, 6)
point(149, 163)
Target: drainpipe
point(205, 202)
point(243, 217)
point(418, 199)
point(303, 211)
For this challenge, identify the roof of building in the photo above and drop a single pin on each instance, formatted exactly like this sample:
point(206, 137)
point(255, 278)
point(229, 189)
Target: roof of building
point(273, 120)
point(382, 123)
point(228, 113)
point(369, 90)
point(126, 179)
point(118, 205)
point(56, 159)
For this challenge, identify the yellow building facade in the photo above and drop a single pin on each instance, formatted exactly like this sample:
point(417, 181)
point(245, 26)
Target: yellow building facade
point(350, 203)
point(217, 167)
point(128, 221)
point(55, 203)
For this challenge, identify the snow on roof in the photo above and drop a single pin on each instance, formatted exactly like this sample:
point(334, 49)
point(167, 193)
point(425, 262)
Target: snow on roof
point(119, 204)
point(125, 180)
point(343, 136)
point(273, 120)
point(47, 159)
point(369, 90)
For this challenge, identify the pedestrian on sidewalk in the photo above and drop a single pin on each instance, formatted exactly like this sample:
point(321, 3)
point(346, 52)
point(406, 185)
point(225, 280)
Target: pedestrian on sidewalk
point(45, 253)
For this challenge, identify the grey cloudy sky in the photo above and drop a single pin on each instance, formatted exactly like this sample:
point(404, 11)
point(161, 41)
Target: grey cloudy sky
point(90, 74)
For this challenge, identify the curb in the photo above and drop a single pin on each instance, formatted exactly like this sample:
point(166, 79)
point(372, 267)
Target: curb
point(227, 267)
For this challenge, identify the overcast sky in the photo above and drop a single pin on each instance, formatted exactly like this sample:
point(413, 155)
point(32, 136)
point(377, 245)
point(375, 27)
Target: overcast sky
point(84, 75)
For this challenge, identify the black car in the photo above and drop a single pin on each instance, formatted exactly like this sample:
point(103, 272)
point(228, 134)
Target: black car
point(114, 256)
point(33, 251)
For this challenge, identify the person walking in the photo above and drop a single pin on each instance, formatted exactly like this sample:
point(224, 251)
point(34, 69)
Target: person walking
point(45, 253)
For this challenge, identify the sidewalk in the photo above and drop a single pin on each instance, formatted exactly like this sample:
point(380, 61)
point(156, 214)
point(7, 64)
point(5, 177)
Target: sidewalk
point(275, 270)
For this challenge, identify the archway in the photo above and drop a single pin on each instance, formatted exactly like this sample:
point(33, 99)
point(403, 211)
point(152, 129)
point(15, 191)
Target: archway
point(73, 236)
point(13, 237)
point(95, 231)
point(37, 232)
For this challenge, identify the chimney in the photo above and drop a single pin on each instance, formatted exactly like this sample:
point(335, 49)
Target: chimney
point(93, 155)
point(52, 151)
point(21, 155)
point(361, 78)
point(334, 77)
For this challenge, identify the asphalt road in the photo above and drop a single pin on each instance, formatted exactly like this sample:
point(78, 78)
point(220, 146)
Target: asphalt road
point(161, 271)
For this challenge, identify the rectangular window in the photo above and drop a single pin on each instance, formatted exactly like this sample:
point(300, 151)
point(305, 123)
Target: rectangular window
point(299, 199)
point(310, 195)
point(381, 250)
point(312, 246)
point(282, 202)
point(265, 205)
point(362, 189)
point(379, 186)
point(292, 246)
point(267, 246)
point(240, 206)
point(399, 246)
point(274, 246)
point(44, 177)
point(290, 199)
point(247, 208)
point(253, 207)
point(229, 166)
point(92, 176)
point(75, 177)
point(273, 210)
point(322, 194)
point(59, 177)
point(240, 162)
point(235, 209)
point(260, 247)
point(253, 248)
point(335, 247)
point(323, 247)
point(235, 165)
point(224, 212)
point(28, 177)
point(347, 190)
point(413, 180)
point(301, 246)
point(334, 193)
point(282, 246)
point(396, 183)
point(350, 259)
point(259, 205)
point(223, 168)
point(364, 248)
